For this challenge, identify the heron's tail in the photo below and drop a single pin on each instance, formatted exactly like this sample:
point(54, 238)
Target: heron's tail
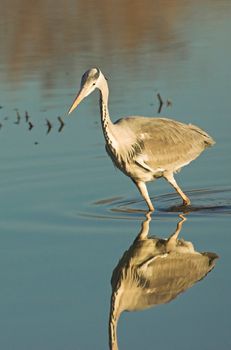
point(208, 140)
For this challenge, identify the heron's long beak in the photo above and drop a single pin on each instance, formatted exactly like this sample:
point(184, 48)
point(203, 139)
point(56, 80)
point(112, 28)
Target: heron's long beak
point(77, 100)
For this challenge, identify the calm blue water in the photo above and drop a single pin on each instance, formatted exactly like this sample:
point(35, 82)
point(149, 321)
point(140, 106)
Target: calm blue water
point(66, 215)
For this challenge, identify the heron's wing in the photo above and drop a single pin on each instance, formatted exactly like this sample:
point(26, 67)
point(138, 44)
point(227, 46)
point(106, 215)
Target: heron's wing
point(163, 141)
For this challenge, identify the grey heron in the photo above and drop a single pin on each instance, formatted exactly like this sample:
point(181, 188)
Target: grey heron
point(145, 148)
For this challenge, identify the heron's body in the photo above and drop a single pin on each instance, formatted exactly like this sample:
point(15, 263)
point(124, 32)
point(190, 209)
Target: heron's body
point(145, 148)
point(154, 146)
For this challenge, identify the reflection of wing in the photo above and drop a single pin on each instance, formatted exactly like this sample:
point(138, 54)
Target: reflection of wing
point(164, 141)
point(164, 277)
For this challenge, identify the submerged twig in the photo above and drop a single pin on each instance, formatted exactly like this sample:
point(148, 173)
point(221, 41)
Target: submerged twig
point(169, 103)
point(61, 124)
point(30, 125)
point(18, 118)
point(49, 126)
point(160, 103)
point(27, 116)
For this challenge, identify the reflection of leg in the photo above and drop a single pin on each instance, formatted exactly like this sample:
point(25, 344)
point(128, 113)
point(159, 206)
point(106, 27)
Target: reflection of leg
point(170, 178)
point(173, 238)
point(143, 234)
point(144, 193)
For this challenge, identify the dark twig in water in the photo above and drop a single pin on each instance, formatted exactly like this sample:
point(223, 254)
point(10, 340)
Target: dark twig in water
point(160, 103)
point(61, 124)
point(26, 116)
point(30, 125)
point(49, 126)
point(169, 103)
point(18, 118)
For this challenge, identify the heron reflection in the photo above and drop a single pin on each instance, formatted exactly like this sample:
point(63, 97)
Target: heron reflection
point(154, 271)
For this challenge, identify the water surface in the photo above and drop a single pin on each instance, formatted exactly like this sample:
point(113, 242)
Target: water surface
point(66, 215)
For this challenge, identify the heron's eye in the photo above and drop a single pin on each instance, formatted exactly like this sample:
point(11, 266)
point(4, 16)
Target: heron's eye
point(93, 84)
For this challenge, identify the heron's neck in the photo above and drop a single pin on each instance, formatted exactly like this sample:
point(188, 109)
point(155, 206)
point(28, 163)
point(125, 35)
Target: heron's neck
point(107, 124)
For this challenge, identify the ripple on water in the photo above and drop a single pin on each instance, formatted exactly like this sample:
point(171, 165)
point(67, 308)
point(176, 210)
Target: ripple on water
point(204, 202)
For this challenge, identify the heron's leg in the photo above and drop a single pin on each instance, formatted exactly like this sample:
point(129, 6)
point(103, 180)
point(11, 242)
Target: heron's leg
point(144, 193)
point(170, 178)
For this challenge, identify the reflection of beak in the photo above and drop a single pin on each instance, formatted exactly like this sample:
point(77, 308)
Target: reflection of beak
point(77, 101)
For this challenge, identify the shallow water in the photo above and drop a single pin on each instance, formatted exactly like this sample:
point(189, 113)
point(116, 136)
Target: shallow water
point(66, 215)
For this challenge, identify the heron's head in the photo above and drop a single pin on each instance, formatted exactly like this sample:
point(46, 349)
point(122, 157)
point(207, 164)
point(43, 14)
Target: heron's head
point(89, 82)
